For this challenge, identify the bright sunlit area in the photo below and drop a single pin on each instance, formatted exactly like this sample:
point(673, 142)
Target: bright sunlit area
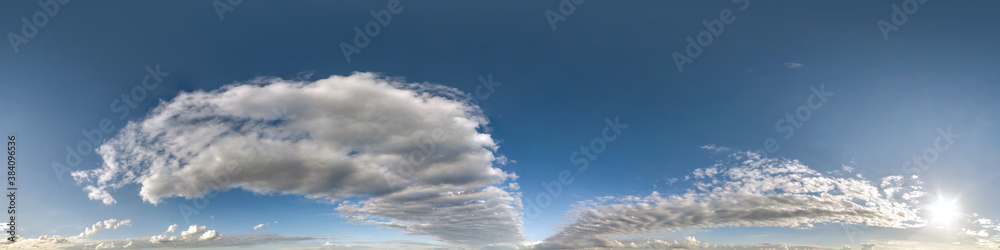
point(944, 212)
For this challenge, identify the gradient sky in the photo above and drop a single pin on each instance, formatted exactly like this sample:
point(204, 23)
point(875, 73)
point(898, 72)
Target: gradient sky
point(606, 60)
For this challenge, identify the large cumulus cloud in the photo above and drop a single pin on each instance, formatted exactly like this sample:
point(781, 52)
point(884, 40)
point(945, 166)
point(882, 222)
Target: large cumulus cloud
point(363, 136)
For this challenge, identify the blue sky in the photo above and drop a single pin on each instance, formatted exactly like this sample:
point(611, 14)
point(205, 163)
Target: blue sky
point(891, 97)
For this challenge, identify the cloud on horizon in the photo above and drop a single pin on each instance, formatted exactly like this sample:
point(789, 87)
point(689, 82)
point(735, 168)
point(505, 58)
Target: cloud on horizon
point(106, 224)
point(195, 237)
point(56, 242)
point(745, 190)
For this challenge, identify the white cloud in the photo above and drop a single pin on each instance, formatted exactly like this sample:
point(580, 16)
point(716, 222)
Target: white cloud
point(163, 239)
point(194, 237)
point(105, 245)
point(328, 245)
point(792, 65)
point(980, 232)
point(212, 239)
point(712, 147)
point(671, 181)
point(53, 239)
point(743, 191)
point(218, 241)
point(344, 136)
point(194, 230)
point(95, 193)
point(259, 226)
point(106, 224)
point(171, 228)
point(687, 242)
point(209, 235)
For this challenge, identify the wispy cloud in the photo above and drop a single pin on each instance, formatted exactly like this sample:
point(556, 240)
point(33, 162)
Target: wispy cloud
point(469, 217)
point(792, 65)
point(712, 147)
point(745, 190)
point(982, 232)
